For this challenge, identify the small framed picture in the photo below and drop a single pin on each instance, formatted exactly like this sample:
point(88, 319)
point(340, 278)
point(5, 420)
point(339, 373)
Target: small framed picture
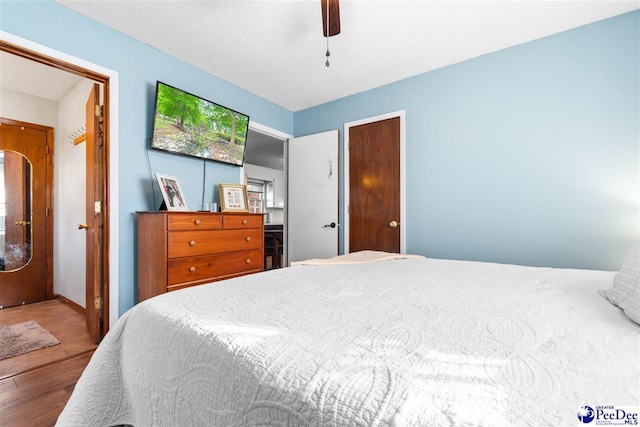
point(171, 192)
point(233, 198)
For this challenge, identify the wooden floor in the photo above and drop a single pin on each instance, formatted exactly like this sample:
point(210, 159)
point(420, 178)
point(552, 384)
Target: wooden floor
point(34, 387)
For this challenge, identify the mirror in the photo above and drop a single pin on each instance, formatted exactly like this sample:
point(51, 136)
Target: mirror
point(15, 210)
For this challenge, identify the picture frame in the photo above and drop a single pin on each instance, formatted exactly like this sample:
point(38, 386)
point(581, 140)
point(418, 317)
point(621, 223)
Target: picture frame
point(172, 193)
point(233, 198)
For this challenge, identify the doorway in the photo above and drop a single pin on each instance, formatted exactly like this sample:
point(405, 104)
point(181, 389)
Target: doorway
point(50, 59)
point(264, 174)
point(375, 186)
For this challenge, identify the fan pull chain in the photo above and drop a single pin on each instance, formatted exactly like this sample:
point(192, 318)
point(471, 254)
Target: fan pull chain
point(328, 19)
point(328, 53)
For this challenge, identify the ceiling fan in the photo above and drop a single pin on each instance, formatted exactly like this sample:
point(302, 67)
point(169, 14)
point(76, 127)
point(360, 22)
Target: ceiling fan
point(330, 17)
point(330, 21)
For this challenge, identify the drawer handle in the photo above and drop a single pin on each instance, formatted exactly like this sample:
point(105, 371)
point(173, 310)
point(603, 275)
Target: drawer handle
point(244, 222)
point(192, 243)
point(196, 222)
point(248, 239)
point(248, 261)
point(192, 270)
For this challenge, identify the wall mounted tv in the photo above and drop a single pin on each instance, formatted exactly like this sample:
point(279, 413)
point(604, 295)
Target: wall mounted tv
point(187, 124)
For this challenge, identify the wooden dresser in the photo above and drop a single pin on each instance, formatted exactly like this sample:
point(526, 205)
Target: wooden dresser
point(181, 249)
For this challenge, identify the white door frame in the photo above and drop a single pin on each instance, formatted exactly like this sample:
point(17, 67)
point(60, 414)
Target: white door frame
point(403, 181)
point(113, 155)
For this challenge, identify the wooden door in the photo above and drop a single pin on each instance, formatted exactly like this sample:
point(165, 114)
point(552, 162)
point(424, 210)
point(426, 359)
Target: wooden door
point(94, 217)
point(313, 196)
point(25, 205)
point(374, 186)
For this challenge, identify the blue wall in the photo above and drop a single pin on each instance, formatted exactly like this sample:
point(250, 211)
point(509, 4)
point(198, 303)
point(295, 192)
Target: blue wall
point(139, 66)
point(529, 155)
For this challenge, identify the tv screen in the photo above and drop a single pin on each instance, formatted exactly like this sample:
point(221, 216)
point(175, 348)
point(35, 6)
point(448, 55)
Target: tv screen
point(187, 124)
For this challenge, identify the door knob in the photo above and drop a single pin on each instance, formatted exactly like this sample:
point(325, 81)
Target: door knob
point(23, 223)
point(332, 225)
point(393, 224)
point(83, 226)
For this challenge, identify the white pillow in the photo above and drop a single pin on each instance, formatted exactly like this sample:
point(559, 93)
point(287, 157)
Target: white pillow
point(625, 292)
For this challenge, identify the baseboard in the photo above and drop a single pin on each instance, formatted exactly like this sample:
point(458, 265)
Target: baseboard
point(71, 304)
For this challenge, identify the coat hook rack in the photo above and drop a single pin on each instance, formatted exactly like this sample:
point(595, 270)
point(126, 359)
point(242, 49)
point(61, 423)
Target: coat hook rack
point(78, 136)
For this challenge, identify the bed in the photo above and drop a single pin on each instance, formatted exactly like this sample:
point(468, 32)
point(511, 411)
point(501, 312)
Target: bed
point(367, 339)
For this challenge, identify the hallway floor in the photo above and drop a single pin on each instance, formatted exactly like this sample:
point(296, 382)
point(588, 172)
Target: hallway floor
point(34, 387)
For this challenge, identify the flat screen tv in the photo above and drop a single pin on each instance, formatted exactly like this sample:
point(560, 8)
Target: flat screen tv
point(186, 124)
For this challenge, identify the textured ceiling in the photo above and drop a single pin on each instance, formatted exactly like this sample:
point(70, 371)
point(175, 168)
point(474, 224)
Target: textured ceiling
point(275, 49)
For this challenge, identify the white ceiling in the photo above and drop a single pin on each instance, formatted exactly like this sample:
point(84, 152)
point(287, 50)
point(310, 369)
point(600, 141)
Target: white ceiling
point(30, 77)
point(275, 49)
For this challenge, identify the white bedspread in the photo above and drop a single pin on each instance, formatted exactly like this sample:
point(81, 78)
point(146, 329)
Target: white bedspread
point(408, 342)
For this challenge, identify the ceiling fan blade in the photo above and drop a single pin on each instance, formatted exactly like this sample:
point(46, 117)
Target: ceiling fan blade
point(334, 17)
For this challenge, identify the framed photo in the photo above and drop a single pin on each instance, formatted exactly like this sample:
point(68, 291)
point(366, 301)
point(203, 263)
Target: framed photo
point(233, 198)
point(171, 192)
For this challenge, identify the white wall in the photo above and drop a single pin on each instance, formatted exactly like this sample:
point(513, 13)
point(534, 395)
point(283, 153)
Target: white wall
point(267, 174)
point(69, 197)
point(27, 108)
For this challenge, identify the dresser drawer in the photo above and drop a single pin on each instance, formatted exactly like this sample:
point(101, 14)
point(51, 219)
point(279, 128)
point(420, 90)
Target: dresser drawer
point(240, 221)
point(191, 269)
point(193, 222)
point(188, 243)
